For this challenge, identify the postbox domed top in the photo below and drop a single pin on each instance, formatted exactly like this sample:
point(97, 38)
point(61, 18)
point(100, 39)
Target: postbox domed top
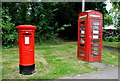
point(26, 27)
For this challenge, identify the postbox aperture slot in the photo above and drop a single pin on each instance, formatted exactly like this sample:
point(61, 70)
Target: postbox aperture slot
point(26, 34)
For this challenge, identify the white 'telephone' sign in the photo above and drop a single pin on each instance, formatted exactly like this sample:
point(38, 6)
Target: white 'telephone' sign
point(27, 40)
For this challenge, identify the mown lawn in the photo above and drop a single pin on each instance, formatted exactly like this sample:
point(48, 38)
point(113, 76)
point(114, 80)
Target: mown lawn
point(110, 57)
point(52, 62)
point(114, 44)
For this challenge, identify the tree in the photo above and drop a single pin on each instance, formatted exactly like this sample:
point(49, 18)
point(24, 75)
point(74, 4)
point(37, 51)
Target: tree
point(9, 34)
point(116, 13)
point(53, 19)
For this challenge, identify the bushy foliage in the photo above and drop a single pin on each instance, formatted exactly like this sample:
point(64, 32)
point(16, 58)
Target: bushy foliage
point(9, 33)
point(53, 19)
point(118, 38)
point(112, 39)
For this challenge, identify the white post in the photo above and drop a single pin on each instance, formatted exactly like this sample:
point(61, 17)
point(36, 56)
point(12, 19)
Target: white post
point(83, 5)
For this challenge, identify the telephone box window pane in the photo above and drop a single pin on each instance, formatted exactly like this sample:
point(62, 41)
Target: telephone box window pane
point(95, 54)
point(81, 44)
point(82, 27)
point(82, 49)
point(96, 23)
point(82, 36)
point(95, 36)
point(82, 32)
point(95, 27)
point(95, 40)
point(82, 54)
point(95, 32)
point(82, 23)
point(95, 45)
point(82, 41)
point(95, 50)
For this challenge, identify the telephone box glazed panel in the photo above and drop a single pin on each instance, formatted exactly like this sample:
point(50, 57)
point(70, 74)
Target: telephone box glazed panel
point(90, 36)
point(26, 48)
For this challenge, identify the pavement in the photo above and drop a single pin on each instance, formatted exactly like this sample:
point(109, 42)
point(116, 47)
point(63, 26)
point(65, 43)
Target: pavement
point(108, 73)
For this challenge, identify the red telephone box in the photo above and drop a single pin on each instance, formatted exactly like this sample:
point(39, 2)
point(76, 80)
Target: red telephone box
point(90, 36)
point(26, 49)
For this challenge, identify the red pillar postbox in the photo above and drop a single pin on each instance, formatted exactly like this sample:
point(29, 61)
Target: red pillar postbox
point(26, 49)
point(90, 36)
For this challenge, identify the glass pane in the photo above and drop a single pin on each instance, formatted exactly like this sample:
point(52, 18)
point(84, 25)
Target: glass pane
point(95, 36)
point(95, 27)
point(96, 23)
point(95, 45)
point(82, 49)
point(95, 50)
point(82, 32)
point(82, 54)
point(82, 22)
point(95, 32)
point(81, 44)
point(95, 40)
point(82, 41)
point(82, 27)
point(82, 36)
point(95, 54)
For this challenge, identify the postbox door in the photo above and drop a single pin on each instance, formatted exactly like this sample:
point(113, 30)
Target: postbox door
point(96, 39)
point(27, 48)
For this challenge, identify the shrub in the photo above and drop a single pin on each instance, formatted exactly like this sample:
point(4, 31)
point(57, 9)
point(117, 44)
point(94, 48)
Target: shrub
point(50, 40)
point(9, 32)
point(110, 39)
point(105, 39)
point(118, 37)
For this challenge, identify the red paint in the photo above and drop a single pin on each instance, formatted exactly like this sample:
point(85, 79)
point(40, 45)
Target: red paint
point(26, 50)
point(85, 52)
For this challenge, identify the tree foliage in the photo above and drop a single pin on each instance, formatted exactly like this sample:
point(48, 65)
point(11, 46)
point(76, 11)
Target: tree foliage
point(52, 18)
point(115, 11)
point(9, 33)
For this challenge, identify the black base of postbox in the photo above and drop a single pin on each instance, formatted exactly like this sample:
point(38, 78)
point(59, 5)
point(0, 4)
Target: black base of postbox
point(27, 70)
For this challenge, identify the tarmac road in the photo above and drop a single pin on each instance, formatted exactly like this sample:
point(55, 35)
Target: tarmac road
point(108, 73)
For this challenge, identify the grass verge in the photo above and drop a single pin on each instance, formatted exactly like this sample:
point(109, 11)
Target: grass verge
point(52, 62)
point(113, 44)
point(110, 57)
